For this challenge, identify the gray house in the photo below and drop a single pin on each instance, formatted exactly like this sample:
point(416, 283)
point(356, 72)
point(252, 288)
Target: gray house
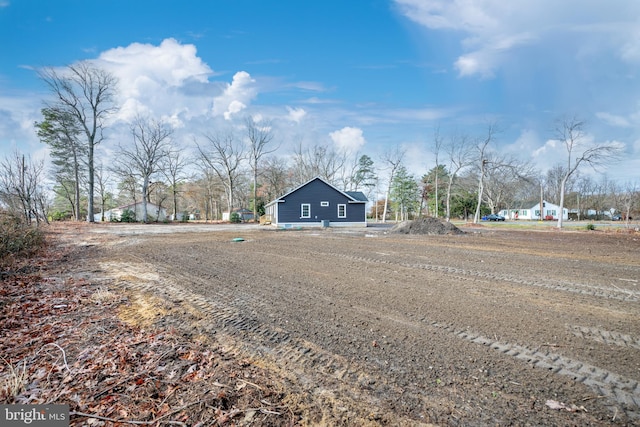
point(318, 204)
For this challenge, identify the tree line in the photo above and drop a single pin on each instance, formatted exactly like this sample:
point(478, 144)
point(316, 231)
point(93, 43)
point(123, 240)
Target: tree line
point(240, 167)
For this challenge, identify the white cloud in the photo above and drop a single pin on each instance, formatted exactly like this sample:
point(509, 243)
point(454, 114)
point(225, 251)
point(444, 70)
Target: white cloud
point(613, 120)
point(236, 95)
point(170, 63)
point(17, 116)
point(526, 142)
point(494, 30)
point(296, 114)
point(471, 64)
point(348, 139)
point(154, 80)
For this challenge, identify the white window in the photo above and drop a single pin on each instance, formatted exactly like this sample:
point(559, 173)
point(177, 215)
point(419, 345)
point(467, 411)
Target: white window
point(342, 211)
point(324, 204)
point(305, 210)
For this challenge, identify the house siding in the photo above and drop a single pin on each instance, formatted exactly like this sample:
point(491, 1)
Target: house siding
point(287, 210)
point(533, 212)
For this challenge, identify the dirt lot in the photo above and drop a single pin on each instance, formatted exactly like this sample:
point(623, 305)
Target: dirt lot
point(490, 327)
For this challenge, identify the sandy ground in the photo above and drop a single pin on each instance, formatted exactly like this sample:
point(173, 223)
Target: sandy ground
point(491, 327)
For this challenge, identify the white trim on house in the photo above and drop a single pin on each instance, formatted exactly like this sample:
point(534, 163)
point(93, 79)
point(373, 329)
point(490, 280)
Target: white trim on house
point(305, 207)
point(319, 224)
point(342, 210)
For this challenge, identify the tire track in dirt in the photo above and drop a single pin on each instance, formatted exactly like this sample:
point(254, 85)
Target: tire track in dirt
point(605, 337)
point(226, 310)
point(222, 313)
point(589, 290)
point(326, 373)
point(617, 389)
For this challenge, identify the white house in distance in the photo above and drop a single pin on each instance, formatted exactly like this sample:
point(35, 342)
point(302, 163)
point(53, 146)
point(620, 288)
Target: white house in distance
point(549, 211)
point(154, 212)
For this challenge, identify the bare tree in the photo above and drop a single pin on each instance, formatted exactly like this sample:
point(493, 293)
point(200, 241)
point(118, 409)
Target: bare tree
point(128, 187)
point(318, 161)
point(275, 175)
point(173, 168)
point(87, 93)
point(630, 199)
point(436, 147)
point(393, 160)
point(483, 162)
point(143, 160)
point(21, 187)
point(259, 137)
point(102, 182)
point(459, 152)
point(570, 132)
point(504, 175)
point(224, 156)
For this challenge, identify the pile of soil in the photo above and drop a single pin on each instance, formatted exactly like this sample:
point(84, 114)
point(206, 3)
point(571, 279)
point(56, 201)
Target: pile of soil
point(430, 226)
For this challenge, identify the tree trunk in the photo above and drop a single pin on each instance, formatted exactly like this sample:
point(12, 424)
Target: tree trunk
point(561, 215)
point(90, 217)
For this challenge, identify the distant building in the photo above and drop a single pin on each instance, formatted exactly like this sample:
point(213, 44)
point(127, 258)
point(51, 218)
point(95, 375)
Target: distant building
point(549, 211)
point(154, 212)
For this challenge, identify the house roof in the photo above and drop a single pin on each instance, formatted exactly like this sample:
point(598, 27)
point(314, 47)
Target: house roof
point(530, 204)
point(355, 196)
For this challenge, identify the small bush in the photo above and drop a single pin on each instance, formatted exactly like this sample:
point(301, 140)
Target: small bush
point(591, 226)
point(128, 216)
point(17, 237)
point(235, 218)
point(60, 216)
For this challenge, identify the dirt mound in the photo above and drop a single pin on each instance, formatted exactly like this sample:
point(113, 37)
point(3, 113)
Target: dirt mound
point(426, 226)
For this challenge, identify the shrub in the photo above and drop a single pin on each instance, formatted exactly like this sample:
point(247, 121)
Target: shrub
point(235, 218)
point(590, 226)
point(128, 216)
point(60, 216)
point(17, 237)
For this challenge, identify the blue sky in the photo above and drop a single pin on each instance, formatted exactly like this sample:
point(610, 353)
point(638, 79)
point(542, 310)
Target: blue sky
point(361, 75)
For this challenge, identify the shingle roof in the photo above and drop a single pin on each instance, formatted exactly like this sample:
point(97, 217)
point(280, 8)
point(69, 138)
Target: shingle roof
point(357, 195)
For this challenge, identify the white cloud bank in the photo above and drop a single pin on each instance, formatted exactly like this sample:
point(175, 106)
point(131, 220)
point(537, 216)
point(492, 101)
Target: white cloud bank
point(493, 29)
point(155, 80)
point(171, 81)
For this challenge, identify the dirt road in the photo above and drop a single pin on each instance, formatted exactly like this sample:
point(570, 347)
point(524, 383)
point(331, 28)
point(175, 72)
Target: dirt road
point(486, 328)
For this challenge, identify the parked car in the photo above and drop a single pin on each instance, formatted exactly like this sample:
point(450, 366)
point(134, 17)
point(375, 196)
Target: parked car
point(616, 218)
point(493, 217)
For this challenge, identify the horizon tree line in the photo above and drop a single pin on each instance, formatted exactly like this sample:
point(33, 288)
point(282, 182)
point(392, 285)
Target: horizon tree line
point(234, 168)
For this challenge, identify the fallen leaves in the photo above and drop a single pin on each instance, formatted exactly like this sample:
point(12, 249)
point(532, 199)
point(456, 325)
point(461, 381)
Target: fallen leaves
point(63, 343)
